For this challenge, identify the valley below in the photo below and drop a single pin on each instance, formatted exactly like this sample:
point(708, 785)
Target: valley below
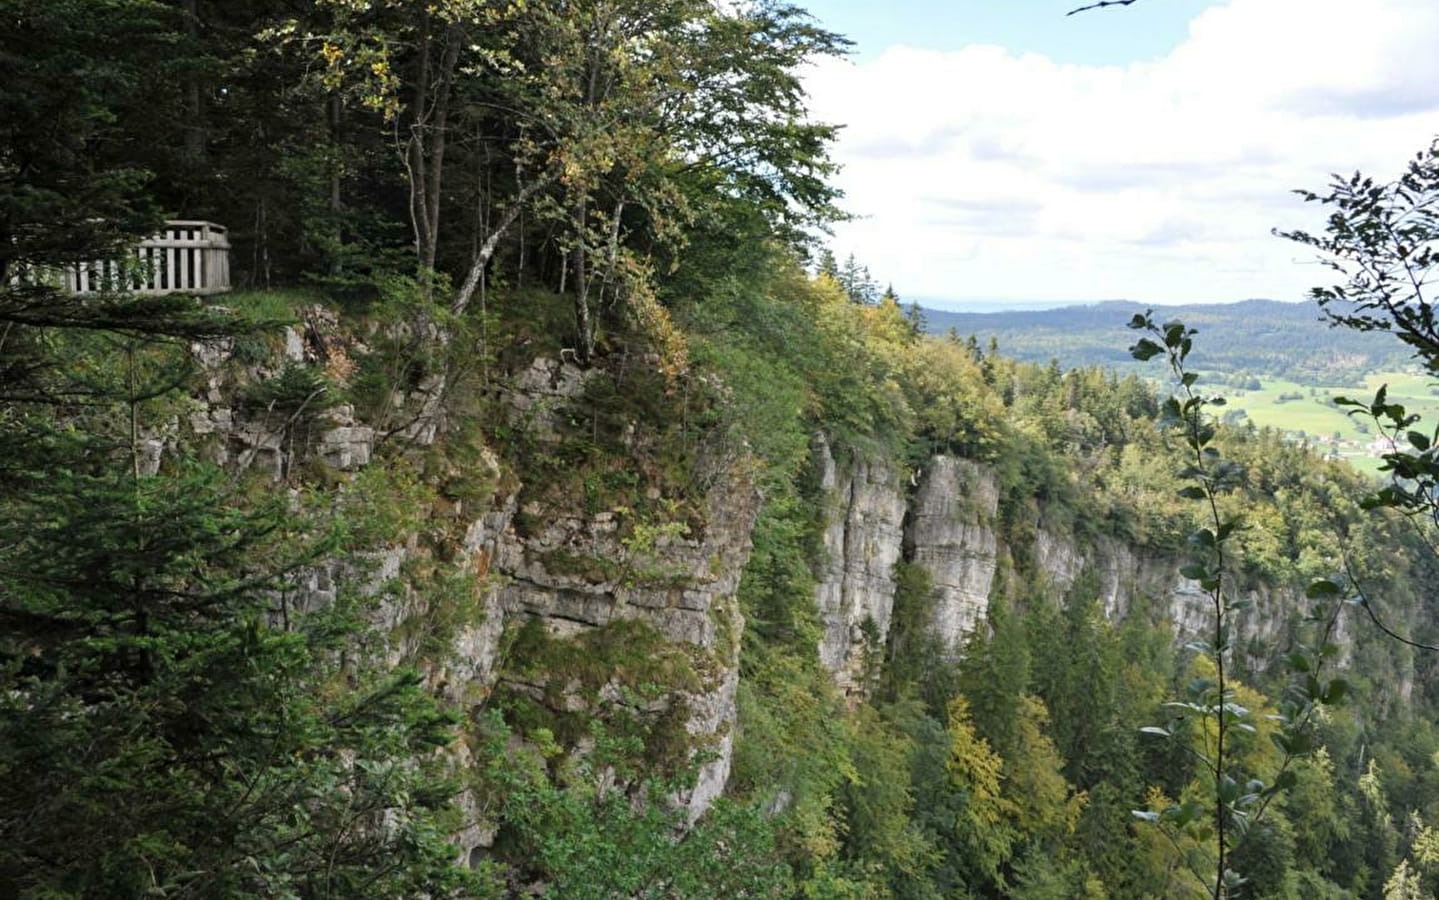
point(1278, 365)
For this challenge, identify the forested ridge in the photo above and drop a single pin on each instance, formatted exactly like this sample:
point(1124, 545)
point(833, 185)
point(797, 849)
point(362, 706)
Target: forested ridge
point(541, 516)
point(1257, 337)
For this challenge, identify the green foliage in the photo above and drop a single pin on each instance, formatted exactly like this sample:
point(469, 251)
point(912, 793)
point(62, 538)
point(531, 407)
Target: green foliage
point(1378, 240)
point(172, 724)
point(1079, 456)
point(624, 678)
point(295, 390)
point(1233, 799)
point(914, 657)
point(578, 841)
point(162, 733)
point(72, 187)
point(382, 505)
point(479, 184)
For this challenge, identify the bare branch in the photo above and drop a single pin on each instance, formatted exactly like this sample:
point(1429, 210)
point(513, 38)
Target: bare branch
point(1373, 617)
point(487, 250)
point(1100, 5)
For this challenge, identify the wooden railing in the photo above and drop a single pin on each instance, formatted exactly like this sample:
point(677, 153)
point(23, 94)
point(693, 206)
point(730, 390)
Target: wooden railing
point(185, 257)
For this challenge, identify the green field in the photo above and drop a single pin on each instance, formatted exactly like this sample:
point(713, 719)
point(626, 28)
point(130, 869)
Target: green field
point(1303, 410)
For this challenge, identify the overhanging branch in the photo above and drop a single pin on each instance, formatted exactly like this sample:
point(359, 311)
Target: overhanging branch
point(1100, 5)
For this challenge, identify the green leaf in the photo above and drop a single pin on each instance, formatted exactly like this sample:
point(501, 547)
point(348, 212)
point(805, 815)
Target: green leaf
point(1227, 790)
point(1297, 744)
point(1336, 692)
point(1145, 350)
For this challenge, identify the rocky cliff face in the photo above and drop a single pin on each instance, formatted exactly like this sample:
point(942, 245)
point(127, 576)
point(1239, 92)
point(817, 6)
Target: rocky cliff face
point(864, 510)
point(627, 615)
point(573, 576)
point(681, 586)
point(1125, 575)
point(951, 533)
point(949, 527)
point(941, 518)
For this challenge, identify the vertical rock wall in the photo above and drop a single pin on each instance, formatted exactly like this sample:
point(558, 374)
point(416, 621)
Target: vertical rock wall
point(951, 533)
point(574, 571)
point(942, 518)
point(864, 510)
point(949, 513)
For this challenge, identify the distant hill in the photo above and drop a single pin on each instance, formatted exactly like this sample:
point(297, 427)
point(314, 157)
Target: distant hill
point(1259, 337)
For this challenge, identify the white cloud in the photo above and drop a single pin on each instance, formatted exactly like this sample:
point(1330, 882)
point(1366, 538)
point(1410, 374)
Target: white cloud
point(980, 172)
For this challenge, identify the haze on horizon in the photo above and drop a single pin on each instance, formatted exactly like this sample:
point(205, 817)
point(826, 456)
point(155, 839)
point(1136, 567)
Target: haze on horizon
point(1014, 154)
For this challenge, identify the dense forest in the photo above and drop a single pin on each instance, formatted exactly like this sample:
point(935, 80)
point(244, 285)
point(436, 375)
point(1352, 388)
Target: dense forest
point(540, 515)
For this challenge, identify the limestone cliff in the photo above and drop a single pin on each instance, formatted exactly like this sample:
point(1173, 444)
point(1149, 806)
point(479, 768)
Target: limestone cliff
point(1126, 575)
point(952, 533)
point(942, 518)
point(563, 605)
point(581, 590)
point(864, 510)
point(949, 512)
point(576, 573)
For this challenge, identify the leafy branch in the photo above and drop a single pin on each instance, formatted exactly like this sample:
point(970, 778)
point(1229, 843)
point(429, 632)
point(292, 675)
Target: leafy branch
point(1380, 237)
point(1237, 803)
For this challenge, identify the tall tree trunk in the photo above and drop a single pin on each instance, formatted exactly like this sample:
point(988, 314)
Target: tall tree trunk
point(606, 294)
point(482, 258)
point(336, 172)
point(439, 126)
point(194, 125)
point(415, 154)
point(584, 343)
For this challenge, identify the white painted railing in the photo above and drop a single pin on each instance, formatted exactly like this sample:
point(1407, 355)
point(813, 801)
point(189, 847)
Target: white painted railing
point(185, 257)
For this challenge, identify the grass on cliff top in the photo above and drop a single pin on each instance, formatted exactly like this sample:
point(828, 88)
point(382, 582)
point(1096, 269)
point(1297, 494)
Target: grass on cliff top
point(276, 305)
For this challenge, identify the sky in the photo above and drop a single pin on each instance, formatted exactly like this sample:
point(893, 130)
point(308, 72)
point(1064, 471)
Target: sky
point(1003, 152)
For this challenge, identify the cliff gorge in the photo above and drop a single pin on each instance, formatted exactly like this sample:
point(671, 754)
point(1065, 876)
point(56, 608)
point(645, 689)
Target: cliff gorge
point(944, 518)
point(611, 596)
point(677, 613)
